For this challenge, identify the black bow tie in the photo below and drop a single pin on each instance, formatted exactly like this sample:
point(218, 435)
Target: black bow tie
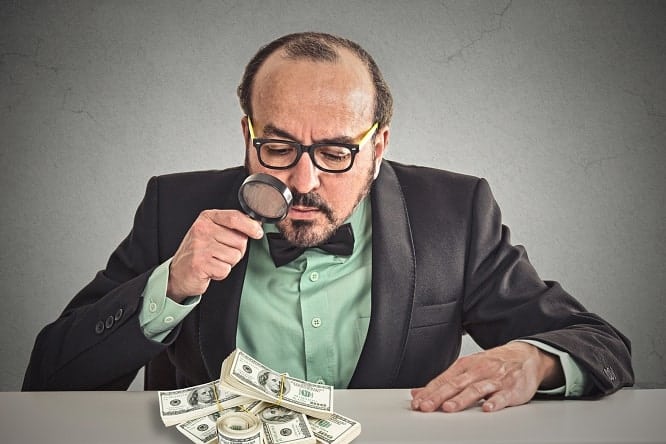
point(341, 243)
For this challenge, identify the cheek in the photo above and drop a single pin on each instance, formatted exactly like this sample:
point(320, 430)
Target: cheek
point(341, 192)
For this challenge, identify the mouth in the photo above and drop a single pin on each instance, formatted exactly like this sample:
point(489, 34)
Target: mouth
point(303, 212)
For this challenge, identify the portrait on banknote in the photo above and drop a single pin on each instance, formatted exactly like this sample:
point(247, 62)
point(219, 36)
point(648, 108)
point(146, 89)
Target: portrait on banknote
point(277, 414)
point(272, 382)
point(201, 396)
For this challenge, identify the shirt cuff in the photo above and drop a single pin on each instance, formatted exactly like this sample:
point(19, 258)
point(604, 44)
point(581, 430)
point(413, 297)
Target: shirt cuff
point(575, 379)
point(160, 314)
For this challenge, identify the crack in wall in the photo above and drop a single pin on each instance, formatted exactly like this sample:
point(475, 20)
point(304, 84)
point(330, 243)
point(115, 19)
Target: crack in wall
point(32, 59)
point(648, 104)
point(483, 34)
point(65, 107)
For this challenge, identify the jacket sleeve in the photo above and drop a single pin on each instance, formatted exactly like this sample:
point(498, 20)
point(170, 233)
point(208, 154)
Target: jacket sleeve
point(97, 343)
point(505, 299)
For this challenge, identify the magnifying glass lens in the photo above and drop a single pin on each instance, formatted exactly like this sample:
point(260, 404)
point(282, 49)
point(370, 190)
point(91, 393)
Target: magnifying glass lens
point(265, 198)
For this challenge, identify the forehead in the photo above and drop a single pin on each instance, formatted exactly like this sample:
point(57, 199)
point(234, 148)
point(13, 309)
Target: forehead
point(305, 88)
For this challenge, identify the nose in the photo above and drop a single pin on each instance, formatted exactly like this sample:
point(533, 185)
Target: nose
point(304, 176)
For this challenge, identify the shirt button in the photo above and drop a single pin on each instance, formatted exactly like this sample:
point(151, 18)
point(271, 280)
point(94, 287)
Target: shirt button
point(119, 314)
point(99, 327)
point(316, 322)
point(314, 276)
point(168, 320)
point(320, 381)
point(109, 322)
point(152, 307)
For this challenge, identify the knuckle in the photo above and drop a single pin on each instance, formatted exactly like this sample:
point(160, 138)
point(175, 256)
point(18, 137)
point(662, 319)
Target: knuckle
point(225, 269)
point(199, 227)
point(479, 389)
point(237, 255)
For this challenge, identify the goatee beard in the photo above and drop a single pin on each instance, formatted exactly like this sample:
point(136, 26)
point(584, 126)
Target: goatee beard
point(301, 232)
point(304, 233)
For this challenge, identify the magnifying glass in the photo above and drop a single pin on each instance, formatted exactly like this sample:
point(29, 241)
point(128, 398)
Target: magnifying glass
point(264, 198)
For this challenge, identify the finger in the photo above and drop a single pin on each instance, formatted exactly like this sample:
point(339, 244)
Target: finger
point(415, 391)
point(227, 254)
point(236, 220)
point(219, 270)
point(229, 239)
point(462, 373)
point(498, 401)
point(429, 398)
point(471, 395)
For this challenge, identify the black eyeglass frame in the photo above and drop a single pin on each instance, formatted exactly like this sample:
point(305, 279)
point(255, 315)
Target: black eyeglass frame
point(354, 148)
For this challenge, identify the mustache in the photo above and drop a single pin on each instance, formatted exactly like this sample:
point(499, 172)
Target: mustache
point(313, 200)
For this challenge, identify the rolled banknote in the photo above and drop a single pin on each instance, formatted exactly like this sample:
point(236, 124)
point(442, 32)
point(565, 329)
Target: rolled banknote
point(248, 377)
point(285, 426)
point(239, 427)
point(181, 405)
point(337, 429)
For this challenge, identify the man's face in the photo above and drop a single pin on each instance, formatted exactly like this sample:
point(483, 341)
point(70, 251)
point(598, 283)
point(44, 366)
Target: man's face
point(206, 395)
point(273, 383)
point(308, 102)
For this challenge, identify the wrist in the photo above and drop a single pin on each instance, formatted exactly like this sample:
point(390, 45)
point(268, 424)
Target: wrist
point(550, 370)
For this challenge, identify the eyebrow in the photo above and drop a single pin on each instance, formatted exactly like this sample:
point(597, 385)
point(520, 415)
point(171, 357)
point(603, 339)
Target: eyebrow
point(273, 131)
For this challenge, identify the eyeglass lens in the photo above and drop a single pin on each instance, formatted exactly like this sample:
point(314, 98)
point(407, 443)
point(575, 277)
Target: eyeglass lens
point(282, 155)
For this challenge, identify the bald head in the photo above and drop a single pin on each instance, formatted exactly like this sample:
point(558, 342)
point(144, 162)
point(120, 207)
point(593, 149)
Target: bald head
point(318, 47)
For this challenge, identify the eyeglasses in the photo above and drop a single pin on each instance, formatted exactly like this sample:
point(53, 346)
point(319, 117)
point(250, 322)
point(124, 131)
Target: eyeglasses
point(332, 157)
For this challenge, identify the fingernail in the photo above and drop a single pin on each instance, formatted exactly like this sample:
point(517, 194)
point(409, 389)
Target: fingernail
point(427, 405)
point(489, 406)
point(415, 404)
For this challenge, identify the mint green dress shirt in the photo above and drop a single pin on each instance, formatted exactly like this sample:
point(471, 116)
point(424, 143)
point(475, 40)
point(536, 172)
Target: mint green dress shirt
point(309, 317)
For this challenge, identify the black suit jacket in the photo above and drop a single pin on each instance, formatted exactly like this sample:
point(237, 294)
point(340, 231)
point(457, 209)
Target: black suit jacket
point(442, 265)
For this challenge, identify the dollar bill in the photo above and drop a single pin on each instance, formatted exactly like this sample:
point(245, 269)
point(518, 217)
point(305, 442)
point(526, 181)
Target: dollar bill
point(248, 377)
point(285, 426)
point(201, 430)
point(181, 405)
point(204, 430)
point(239, 428)
point(337, 429)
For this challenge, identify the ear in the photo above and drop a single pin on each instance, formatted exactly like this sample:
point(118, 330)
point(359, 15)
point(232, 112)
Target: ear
point(246, 131)
point(381, 144)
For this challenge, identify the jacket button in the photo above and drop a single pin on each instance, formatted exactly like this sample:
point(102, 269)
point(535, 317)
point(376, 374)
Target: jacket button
point(610, 373)
point(99, 327)
point(109, 322)
point(119, 314)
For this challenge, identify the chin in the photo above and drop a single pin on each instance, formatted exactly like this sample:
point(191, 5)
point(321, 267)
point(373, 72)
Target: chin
point(305, 233)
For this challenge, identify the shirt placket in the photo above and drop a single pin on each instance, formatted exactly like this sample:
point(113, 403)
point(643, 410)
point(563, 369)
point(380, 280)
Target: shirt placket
point(317, 333)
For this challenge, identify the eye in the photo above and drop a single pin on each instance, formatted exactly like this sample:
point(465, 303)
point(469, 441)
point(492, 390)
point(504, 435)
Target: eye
point(278, 149)
point(334, 154)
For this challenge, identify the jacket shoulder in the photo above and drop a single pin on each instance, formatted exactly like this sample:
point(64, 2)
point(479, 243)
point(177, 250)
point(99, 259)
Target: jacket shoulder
point(204, 179)
point(421, 179)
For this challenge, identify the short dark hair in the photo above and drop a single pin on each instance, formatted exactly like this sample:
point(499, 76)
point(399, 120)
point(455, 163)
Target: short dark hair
point(319, 47)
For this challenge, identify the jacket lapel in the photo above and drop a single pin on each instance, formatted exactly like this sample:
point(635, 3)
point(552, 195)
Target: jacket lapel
point(393, 283)
point(218, 310)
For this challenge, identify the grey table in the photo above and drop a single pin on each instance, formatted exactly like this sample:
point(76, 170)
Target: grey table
point(629, 416)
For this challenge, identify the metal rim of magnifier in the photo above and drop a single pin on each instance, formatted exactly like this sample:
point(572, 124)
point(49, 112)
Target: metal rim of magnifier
point(273, 182)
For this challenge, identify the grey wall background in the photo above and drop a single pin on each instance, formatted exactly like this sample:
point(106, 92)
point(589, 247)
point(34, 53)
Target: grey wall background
point(561, 105)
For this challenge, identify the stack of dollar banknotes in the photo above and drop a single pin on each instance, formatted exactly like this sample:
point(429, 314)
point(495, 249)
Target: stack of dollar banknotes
point(253, 404)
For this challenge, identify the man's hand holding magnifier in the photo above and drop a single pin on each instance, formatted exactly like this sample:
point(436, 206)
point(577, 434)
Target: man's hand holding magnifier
point(217, 239)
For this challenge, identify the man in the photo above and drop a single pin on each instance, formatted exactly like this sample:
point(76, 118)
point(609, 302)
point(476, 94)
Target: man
point(430, 260)
point(201, 396)
point(271, 382)
point(276, 414)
